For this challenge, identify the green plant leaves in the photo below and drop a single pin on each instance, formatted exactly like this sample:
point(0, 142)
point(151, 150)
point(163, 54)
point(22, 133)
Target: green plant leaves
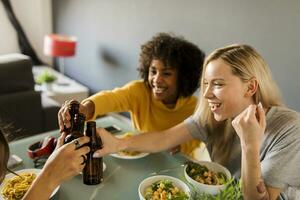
point(45, 77)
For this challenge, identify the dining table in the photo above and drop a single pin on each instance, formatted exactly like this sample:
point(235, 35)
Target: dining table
point(121, 178)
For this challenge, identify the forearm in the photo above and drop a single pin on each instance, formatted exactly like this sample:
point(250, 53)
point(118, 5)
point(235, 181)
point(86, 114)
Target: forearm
point(157, 141)
point(147, 142)
point(41, 188)
point(252, 183)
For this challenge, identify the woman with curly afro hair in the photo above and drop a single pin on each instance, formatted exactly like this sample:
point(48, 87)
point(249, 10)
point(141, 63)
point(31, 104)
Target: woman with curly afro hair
point(170, 67)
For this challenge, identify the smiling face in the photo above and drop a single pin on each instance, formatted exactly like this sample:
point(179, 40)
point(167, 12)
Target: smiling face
point(227, 94)
point(163, 82)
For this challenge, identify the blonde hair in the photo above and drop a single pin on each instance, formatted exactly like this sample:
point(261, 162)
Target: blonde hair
point(246, 63)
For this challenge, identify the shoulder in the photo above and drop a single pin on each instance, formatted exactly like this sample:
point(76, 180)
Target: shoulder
point(190, 100)
point(282, 116)
point(283, 125)
point(136, 84)
point(137, 87)
point(193, 99)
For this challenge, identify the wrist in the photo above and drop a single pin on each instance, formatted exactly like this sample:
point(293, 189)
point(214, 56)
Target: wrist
point(122, 145)
point(87, 107)
point(47, 180)
point(250, 148)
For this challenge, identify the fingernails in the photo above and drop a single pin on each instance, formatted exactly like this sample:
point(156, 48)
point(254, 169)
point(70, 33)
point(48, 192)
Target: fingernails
point(96, 155)
point(259, 105)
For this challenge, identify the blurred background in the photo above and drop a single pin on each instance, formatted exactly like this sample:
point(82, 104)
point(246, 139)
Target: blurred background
point(110, 33)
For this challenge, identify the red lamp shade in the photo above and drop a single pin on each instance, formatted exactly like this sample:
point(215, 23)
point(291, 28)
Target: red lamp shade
point(59, 45)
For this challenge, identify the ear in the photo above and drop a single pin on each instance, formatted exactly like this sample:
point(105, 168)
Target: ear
point(252, 86)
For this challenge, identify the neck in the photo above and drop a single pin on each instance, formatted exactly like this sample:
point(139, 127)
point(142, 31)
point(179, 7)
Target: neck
point(170, 105)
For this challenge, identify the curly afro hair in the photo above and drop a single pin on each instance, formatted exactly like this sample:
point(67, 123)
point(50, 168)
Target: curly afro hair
point(178, 53)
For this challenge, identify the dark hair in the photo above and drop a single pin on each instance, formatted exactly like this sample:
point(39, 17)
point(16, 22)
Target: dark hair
point(176, 52)
point(4, 154)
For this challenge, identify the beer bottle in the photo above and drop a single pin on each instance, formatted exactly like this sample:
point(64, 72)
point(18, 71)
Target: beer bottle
point(73, 109)
point(93, 169)
point(77, 129)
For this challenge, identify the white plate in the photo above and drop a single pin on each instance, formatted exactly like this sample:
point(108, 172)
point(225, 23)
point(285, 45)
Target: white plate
point(36, 171)
point(137, 156)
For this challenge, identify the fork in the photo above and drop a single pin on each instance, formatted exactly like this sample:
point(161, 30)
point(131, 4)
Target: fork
point(14, 173)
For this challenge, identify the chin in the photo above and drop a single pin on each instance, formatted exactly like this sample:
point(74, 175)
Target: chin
point(158, 97)
point(219, 118)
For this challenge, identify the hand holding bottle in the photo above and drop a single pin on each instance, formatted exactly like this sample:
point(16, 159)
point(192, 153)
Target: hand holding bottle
point(66, 114)
point(110, 143)
point(93, 170)
point(65, 162)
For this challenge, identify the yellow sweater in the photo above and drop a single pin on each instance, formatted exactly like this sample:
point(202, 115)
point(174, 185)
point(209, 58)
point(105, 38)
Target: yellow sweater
point(147, 113)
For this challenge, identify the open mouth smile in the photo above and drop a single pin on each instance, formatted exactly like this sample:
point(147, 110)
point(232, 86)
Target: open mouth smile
point(214, 106)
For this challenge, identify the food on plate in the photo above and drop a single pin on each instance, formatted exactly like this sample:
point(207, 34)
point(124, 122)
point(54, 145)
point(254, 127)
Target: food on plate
point(128, 153)
point(16, 187)
point(164, 190)
point(202, 174)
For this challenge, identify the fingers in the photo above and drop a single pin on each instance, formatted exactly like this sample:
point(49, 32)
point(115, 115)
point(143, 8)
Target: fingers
point(100, 153)
point(109, 143)
point(251, 113)
point(83, 150)
point(257, 114)
point(64, 116)
point(77, 143)
point(261, 115)
point(60, 140)
point(83, 159)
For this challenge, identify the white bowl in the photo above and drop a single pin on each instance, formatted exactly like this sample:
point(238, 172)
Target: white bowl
point(152, 179)
point(211, 189)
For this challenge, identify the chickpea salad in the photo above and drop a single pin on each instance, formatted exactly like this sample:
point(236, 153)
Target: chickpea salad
point(202, 174)
point(164, 190)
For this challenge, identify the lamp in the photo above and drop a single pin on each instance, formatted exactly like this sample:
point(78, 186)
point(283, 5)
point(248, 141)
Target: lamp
point(60, 46)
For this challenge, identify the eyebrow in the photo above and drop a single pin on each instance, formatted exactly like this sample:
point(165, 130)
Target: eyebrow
point(217, 79)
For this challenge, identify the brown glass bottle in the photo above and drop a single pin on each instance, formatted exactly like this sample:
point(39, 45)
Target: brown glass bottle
point(77, 129)
point(93, 170)
point(73, 110)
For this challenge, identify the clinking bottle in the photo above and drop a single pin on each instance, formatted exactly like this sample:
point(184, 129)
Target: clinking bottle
point(77, 128)
point(73, 110)
point(93, 170)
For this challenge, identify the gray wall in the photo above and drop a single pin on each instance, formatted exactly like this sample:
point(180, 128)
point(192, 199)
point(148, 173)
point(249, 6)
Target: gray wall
point(117, 28)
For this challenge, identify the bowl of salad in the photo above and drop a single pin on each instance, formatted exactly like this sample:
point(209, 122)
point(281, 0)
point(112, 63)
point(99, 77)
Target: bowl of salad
point(163, 187)
point(207, 177)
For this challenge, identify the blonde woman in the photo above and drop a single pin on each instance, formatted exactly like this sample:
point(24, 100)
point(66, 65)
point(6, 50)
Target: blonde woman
point(243, 122)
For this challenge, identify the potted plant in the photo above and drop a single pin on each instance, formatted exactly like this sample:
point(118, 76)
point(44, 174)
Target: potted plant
point(46, 79)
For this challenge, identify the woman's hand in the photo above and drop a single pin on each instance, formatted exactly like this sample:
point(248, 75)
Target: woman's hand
point(64, 116)
point(110, 143)
point(250, 125)
point(66, 161)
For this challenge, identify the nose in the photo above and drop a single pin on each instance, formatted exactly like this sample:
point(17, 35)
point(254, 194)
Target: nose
point(157, 78)
point(208, 92)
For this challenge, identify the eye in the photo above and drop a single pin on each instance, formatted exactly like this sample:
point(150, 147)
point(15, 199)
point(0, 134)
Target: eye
point(167, 73)
point(205, 83)
point(218, 84)
point(152, 72)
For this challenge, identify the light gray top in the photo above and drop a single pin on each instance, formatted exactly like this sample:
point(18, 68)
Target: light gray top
point(279, 153)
